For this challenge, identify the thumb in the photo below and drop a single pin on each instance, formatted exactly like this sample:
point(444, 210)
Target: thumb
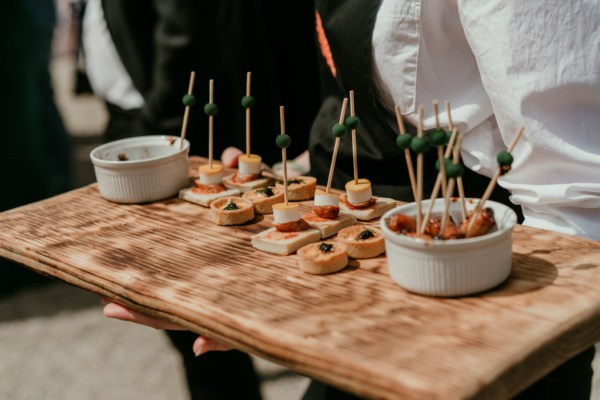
point(229, 157)
point(203, 345)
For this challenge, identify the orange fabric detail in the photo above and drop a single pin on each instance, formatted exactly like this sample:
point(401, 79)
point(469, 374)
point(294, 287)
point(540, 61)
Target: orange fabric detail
point(324, 45)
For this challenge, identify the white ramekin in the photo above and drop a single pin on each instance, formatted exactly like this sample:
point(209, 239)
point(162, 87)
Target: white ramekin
point(151, 168)
point(451, 267)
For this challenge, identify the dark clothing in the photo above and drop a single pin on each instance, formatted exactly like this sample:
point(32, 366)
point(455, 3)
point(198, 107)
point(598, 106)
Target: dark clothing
point(216, 375)
point(36, 150)
point(572, 380)
point(36, 157)
point(161, 41)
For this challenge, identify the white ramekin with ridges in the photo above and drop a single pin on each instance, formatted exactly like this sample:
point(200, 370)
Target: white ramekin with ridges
point(141, 169)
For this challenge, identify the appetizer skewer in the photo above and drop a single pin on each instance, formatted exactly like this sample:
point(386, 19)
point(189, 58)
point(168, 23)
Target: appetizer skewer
point(478, 223)
point(209, 185)
point(210, 174)
point(249, 175)
point(283, 141)
point(353, 122)
point(438, 139)
point(504, 164)
point(325, 214)
point(459, 180)
point(338, 130)
point(438, 181)
point(299, 188)
point(290, 231)
point(455, 170)
point(188, 101)
point(247, 103)
point(419, 144)
point(358, 200)
point(403, 141)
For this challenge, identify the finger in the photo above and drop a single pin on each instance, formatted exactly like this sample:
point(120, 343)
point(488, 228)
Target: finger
point(117, 311)
point(104, 300)
point(264, 167)
point(303, 160)
point(229, 157)
point(203, 345)
point(292, 173)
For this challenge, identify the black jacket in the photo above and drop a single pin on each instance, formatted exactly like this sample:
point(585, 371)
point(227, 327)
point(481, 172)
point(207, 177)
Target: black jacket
point(161, 41)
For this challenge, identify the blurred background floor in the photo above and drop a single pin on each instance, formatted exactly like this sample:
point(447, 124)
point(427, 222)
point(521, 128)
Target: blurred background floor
point(56, 345)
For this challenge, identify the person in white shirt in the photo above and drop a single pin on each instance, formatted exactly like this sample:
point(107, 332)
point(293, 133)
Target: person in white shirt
point(502, 64)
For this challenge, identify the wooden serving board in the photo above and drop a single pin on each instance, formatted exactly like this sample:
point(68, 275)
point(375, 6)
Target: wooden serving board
point(355, 329)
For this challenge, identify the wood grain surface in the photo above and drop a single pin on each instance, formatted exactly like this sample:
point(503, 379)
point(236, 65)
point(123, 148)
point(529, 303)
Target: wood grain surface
point(355, 329)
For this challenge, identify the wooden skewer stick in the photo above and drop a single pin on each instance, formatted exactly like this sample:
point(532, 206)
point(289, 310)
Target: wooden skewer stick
point(248, 77)
point(438, 181)
point(492, 184)
point(440, 149)
point(459, 180)
point(211, 91)
point(451, 184)
point(461, 195)
point(284, 155)
point(409, 163)
point(186, 113)
point(450, 122)
point(419, 197)
point(436, 111)
point(336, 146)
point(354, 155)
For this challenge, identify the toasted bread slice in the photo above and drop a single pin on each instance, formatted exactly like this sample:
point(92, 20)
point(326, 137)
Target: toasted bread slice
point(376, 210)
point(204, 199)
point(361, 241)
point(322, 258)
point(242, 213)
point(273, 241)
point(264, 198)
point(329, 227)
point(299, 188)
point(246, 186)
